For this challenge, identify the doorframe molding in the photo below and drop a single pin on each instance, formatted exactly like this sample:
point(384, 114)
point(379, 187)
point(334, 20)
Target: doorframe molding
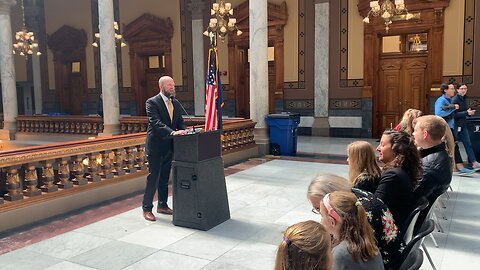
point(431, 21)
point(147, 35)
point(68, 45)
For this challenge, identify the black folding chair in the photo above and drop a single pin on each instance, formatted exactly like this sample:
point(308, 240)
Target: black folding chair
point(406, 231)
point(417, 239)
point(413, 261)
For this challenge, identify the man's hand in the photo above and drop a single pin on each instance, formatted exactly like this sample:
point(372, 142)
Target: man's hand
point(179, 132)
point(471, 112)
point(457, 106)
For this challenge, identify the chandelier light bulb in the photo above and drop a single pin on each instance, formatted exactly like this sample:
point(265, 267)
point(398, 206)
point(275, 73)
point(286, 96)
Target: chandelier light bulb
point(386, 15)
point(39, 53)
point(22, 54)
point(221, 22)
point(117, 36)
point(366, 20)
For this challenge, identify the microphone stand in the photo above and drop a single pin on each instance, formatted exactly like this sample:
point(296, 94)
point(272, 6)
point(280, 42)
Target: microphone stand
point(188, 115)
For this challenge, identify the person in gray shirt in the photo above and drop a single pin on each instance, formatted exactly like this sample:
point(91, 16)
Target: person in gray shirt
point(354, 244)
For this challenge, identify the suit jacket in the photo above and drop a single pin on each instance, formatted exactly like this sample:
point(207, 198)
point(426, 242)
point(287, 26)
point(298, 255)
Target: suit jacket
point(396, 191)
point(159, 141)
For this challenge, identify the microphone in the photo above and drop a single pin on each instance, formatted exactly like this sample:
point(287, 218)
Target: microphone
point(188, 115)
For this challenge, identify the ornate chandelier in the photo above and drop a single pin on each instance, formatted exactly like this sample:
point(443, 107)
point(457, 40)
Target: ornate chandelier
point(387, 10)
point(25, 43)
point(118, 37)
point(221, 22)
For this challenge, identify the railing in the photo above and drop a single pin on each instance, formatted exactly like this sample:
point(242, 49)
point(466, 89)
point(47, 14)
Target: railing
point(44, 171)
point(67, 124)
point(51, 170)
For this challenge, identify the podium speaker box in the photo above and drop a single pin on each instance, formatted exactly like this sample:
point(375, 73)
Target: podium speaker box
point(200, 198)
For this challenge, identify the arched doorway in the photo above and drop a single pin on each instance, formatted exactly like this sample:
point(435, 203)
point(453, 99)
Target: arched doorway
point(149, 40)
point(68, 46)
point(239, 69)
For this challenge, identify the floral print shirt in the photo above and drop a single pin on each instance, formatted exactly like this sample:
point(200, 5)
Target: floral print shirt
point(382, 222)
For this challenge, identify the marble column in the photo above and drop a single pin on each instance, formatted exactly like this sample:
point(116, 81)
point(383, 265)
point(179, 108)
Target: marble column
point(197, 7)
point(320, 125)
point(37, 84)
point(258, 32)
point(108, 61)
point(32, 14)
point(7, 70)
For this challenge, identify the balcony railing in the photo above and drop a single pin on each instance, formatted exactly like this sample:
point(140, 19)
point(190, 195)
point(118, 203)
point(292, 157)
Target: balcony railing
point(35, 173)
point(40, 172)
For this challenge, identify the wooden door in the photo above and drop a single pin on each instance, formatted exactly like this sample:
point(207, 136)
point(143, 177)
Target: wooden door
point(242, 93)
point(402, 85)
point(271, 87)
point(77, 93)
point(151, 82)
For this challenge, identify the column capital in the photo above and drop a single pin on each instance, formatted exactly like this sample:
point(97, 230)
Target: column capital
point(196, 7)
point(5, 6)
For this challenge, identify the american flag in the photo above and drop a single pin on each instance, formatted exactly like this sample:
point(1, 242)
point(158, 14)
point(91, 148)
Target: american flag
point(214, 101)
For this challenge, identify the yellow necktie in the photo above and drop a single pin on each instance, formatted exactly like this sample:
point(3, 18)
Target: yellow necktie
point(170, 109)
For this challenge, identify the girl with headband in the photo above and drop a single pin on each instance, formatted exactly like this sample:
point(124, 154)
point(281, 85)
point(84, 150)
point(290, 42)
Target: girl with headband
point(354, 244)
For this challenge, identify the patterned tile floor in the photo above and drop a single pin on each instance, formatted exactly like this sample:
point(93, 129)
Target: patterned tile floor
point(265, 196)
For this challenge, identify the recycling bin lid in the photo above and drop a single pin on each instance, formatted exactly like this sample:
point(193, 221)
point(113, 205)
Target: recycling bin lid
point(284, 115)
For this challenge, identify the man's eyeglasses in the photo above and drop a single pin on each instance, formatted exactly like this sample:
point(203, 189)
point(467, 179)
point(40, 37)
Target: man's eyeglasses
point(316, 211)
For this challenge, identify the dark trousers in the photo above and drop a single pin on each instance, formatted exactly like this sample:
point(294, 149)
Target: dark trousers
point(458, 157)
point(157, 180)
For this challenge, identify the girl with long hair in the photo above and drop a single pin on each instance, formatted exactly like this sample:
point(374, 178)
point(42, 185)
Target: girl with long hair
point(363, 170)
point(400, 174)
point(354, 244)
point(305, 245)
point(407, 120)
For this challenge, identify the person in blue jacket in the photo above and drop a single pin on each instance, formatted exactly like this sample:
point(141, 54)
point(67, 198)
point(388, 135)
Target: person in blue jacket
point(460, 120)
point(445, 109)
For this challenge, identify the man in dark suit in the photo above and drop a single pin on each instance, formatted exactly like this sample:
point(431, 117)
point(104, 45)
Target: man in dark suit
point(164, 121)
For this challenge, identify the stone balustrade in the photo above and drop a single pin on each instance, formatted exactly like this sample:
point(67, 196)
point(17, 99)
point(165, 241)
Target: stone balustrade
point(65, 124)
point(33, 174)
point(46, 171)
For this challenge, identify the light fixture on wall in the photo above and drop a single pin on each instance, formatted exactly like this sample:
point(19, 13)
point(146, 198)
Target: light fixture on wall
point(118, 37)
point(221, 22)
point(25, 43)
point(387, 10)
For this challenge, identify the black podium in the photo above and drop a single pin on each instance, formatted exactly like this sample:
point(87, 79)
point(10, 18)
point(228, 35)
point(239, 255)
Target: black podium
point(199, 192)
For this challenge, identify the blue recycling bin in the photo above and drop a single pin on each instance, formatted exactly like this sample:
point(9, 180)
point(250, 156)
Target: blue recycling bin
point(473, 126)
point(283, 133)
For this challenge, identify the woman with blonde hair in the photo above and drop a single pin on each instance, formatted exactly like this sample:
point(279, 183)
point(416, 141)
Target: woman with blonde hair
point(407, 120)
point(363, 170)
point(306, 245)
point(354, 244)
